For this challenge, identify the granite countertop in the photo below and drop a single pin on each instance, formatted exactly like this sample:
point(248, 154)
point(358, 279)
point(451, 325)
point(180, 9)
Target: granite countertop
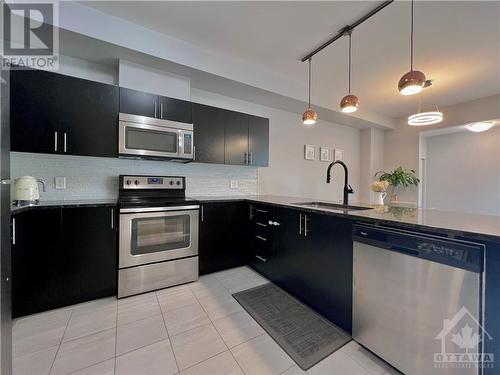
point(461, 224)
point(66, 203)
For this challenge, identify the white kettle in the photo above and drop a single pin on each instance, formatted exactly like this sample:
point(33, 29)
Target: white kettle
point(26, 191)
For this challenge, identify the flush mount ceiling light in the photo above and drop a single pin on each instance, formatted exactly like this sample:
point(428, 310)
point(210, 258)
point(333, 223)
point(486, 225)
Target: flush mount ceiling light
point(425, 118)
point(309, 117)
point(412, 82)
point(350, 102)
point(478, 127)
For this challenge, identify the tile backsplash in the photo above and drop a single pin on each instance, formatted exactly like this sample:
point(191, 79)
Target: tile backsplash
point(97, 178)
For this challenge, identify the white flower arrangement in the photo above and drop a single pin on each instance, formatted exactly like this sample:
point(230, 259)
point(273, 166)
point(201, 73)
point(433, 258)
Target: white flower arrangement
point(380, 186)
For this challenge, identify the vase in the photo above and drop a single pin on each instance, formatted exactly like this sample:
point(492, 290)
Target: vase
point(379, 197)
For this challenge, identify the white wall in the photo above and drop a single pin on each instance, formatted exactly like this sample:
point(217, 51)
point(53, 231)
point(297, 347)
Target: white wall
point(288, 172)
point(402, 144)
point(463, 172)
point(372, 160)
point(158, 82)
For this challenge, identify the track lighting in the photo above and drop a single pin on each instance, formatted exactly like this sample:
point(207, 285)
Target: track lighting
point(350, 102)
point(309, 117)
point(412, 82)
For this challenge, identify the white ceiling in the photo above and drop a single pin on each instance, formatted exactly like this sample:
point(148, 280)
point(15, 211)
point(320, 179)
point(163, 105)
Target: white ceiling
point(457, 43)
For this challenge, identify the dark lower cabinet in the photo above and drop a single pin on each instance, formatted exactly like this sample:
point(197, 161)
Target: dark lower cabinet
point(37, 262)
point(308, 255)
point(222, 242)
point(89, 246)
point(62, 256)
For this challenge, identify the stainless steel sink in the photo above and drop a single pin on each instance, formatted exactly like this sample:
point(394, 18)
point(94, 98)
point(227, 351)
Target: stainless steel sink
point(332, 206)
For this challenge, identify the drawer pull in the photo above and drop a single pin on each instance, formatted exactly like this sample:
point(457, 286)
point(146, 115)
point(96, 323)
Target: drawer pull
point(262, 225)
point(262, 211)
point(260, 258)
point(261, 238)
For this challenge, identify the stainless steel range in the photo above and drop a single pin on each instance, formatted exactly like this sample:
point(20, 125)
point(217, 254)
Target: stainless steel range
point(158, 234)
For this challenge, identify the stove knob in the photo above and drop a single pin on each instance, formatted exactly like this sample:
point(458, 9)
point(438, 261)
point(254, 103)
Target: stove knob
point(128, 182)
point(178, 182)
point(136, 182)
point(171, 182)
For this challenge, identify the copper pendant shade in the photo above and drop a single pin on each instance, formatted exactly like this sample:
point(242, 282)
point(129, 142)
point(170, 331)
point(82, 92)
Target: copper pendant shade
point(350, 102)
point(413, 82)
point(309, 117)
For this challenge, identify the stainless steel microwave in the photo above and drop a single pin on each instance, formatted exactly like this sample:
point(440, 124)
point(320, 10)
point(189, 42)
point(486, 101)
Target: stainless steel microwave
point(145, 137)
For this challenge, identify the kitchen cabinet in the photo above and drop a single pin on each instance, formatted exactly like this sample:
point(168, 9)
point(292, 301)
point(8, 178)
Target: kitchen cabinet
point(62, 256)
point(309, 255)
point(236, 138)
point(258, 141)
point(208, 123)
point(57, 114)
point(88, 118)
point(156, 106)
point(229, 137)
point(90, 253)
point(222, 231)
point(37, 261)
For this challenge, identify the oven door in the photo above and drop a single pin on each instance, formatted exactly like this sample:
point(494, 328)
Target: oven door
point(149, 237)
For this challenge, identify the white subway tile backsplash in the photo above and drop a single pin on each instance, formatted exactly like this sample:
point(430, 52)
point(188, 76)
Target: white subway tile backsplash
point(97, 178)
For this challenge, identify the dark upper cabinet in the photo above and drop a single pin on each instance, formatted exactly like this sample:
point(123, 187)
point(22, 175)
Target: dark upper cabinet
point(176, 110)
point(37, 261)
point(35, 103)
point(61, 257)
point(90, 253)
point(222, 242)
point(236, 138)
point(209, 140)
point(258, 141)
point(58, 114)
point(140, 103)
point(156, 106)
point(89, 117)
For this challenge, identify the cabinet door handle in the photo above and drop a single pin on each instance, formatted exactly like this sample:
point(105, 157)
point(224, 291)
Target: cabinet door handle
point(13, 231)
point(250, 158)
point(261, 211)
point(202, 214)
point(261, 258)
point(155, 105)
point(250, 213)
point(262, 225)
point(300, 224)
point(65, 142)
point(112, 218)
point(245, 158)
point(55, 141)
point(194, 153)
point(261, 238)
point(305, 225)
point(161, 110)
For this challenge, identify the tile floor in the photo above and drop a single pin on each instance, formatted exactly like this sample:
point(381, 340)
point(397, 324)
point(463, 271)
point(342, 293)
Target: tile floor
point(191, 329)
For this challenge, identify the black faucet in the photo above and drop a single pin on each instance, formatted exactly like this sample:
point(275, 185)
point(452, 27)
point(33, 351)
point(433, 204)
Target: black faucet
point(347, 188)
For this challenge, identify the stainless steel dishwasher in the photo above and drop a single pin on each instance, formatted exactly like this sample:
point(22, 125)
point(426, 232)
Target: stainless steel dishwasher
point(405, 285)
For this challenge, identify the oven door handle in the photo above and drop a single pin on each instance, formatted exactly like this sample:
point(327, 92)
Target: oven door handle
point(158, 209)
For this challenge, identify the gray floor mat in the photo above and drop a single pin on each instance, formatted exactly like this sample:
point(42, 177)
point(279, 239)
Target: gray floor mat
point(305, 335)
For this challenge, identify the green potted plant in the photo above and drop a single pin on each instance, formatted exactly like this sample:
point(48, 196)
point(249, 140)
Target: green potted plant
point(399, 177)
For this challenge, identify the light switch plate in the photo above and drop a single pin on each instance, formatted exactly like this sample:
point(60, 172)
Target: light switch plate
point(234, 184)
point(60, 183)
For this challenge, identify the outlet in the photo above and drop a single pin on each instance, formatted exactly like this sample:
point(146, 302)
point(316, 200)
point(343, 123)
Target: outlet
point(60, 183)
point(234, 184)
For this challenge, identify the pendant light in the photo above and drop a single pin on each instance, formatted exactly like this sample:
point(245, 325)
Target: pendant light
point(309, 117)
point(412, 82)
point(425, 118)
point(350, 102)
